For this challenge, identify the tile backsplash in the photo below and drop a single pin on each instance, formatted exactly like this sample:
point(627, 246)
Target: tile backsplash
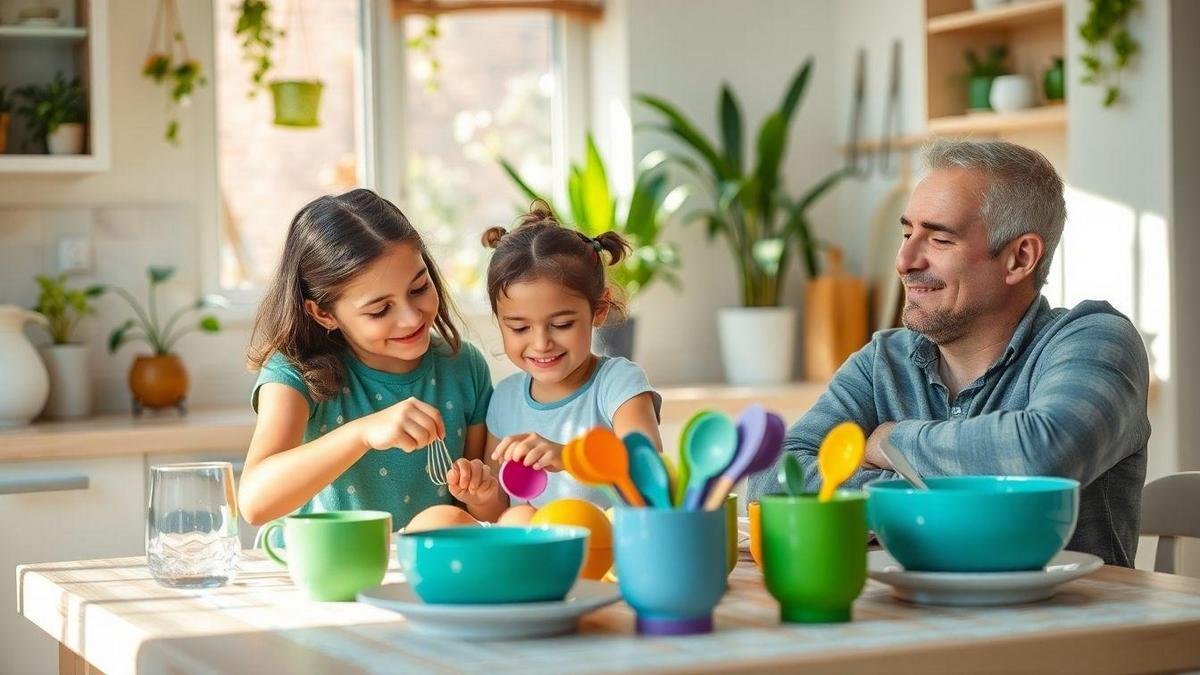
point(124, 240)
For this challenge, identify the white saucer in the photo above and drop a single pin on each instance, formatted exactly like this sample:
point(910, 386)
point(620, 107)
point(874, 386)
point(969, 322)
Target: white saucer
point(980, 588)
point(494, 622)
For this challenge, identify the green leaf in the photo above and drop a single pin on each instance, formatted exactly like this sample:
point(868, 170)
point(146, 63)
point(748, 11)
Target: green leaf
point(95, 291)
point(117, 337)
point(687, 132)
point(731, 129)
point(598, 203)
point(648, 194)
point(575, 194)
point(772, 141)
point(816, 191)
point(521, 184)
point(209, 323)
point(159, 274)
point(1110, 96)
point(796, 90)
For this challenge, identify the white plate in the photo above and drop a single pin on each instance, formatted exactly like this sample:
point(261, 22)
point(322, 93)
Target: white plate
point(980, 588)
point(494, 622)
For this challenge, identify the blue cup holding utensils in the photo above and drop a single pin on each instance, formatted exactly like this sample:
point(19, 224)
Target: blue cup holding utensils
point(671, 567)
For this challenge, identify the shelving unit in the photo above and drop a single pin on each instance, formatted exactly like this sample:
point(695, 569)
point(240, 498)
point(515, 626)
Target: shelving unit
point(34, 54)
point(1034, 33)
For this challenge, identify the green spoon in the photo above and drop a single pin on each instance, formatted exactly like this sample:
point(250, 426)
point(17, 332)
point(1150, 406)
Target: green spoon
point(791, 475)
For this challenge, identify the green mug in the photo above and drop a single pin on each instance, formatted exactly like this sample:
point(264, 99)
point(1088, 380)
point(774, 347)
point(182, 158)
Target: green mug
point(814, 554)
point(333, 555)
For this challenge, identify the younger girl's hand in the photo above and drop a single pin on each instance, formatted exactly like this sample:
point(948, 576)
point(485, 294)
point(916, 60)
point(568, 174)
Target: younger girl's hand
point(531, 450)
point(409, 425)
point(471, 482)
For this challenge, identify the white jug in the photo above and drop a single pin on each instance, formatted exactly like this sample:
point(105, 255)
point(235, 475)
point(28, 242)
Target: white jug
point(25, 381)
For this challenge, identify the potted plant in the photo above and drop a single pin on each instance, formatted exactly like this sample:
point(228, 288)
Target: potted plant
point(183, 75)
point(297, 102)
point(159, 380)
point(1106, 23)
point(595, 210)
point(753, 214)
point(6, 106)
point(66, 362)
point(981, 72)
point(56, 112)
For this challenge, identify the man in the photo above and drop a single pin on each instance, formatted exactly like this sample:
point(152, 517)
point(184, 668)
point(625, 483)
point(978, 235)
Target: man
point(986, 378)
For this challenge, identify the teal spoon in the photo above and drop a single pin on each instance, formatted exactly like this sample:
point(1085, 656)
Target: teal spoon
point(711, 447)
point(791, 475)
point(647, 470)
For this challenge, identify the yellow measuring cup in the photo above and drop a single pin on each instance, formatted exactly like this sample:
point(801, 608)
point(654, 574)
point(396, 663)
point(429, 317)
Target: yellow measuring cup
point(840, 455)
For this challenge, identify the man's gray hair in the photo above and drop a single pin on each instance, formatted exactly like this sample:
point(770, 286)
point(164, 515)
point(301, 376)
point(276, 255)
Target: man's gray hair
point(1024, 193)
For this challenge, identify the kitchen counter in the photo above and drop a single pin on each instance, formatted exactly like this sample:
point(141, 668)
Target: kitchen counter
point(111, 615)
point(204, 430)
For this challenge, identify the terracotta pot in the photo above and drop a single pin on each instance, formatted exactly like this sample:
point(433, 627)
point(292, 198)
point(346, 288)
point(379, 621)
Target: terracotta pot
point(158, 382)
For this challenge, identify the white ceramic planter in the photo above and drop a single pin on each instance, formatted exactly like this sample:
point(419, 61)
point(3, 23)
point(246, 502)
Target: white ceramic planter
point(67, 139)
point(1011, 93)
point(26, 383)
point(757, 344)
point(70, 381)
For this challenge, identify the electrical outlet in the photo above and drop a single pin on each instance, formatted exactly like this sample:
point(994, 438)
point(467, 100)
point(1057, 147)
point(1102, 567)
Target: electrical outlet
point(74, 254)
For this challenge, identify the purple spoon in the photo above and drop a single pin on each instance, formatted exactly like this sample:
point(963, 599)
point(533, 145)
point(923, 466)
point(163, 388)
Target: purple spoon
point(772, 445)
point(752, 426)
point(522, 482)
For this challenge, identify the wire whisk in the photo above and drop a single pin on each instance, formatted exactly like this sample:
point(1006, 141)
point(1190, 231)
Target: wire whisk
point(438, 461)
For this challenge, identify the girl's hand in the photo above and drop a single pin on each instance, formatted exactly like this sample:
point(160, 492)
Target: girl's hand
point(471, 482)
point(409, 425)
point(531, 450)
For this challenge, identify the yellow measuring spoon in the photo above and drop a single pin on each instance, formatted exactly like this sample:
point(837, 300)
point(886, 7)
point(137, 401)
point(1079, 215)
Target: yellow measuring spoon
point(840, 455)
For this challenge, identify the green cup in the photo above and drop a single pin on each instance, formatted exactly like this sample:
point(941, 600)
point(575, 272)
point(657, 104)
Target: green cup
point(815, 554)
point(333, 555)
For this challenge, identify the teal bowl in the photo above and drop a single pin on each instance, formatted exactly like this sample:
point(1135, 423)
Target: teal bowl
point(492, 565)
point(974, 523)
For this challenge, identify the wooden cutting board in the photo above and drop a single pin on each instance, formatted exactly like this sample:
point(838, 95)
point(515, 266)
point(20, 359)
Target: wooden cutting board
point(835, 319)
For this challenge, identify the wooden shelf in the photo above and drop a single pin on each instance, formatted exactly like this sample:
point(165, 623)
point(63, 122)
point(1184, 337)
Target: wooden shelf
point(1009, 16)
point(65, 33)
point(990, 123)
point(52, 164)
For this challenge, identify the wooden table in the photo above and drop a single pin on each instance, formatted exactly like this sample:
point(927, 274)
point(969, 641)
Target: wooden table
point(111, 615)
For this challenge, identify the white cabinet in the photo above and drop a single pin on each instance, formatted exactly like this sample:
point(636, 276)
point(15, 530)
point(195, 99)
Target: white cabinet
point(56, 511)
point(76, 45)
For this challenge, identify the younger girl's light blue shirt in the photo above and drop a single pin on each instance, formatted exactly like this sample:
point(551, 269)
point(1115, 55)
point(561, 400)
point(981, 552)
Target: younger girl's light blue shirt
point(513, 411)
point(458, 385)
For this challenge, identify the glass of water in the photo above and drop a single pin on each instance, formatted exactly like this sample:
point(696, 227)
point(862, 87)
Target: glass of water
point(192, 525)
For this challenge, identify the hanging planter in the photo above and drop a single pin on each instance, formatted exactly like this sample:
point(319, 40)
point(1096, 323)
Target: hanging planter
point(183, 75)
point(297, 102)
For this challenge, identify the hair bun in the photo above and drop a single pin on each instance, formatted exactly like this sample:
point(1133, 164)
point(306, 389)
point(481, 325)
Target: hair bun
point(492, 236)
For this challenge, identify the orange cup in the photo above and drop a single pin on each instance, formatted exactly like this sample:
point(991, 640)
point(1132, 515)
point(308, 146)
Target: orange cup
point(755, 533)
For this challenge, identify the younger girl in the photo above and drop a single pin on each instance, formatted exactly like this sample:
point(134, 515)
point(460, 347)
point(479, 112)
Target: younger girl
point(548, 290)
point(360, 367)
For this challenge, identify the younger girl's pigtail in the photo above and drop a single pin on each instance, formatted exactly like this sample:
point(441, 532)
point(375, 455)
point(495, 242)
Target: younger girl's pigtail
point(492, 236)
point(618, 247)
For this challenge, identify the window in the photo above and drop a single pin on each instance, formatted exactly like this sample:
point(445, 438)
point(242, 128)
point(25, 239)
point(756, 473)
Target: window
point(267, 172)
point(477, 86)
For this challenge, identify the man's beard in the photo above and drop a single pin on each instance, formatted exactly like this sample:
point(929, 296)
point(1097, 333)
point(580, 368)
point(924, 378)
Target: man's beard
point(941, 326)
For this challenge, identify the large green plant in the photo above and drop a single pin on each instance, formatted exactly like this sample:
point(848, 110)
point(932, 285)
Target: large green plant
point(48, 106)
point(64, 307)
point(1106, 23)
point(594, 210)
point(751, 210)
point(146, 327)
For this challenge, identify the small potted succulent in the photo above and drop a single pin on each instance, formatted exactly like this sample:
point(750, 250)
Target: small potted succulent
point(981, 71)
point(66, 361)
point(159, 380)
point(6, 106)
point(56, 112)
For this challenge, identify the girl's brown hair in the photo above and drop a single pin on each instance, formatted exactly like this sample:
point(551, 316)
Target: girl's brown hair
point(541, 248)
point(329, 242)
